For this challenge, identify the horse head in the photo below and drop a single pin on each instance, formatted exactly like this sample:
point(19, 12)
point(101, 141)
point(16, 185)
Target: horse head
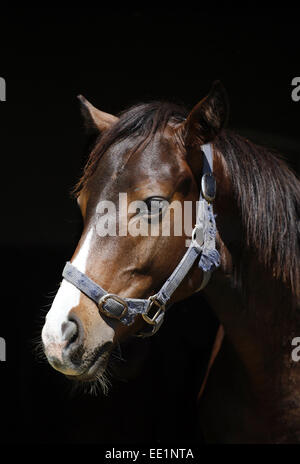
point(151, 155)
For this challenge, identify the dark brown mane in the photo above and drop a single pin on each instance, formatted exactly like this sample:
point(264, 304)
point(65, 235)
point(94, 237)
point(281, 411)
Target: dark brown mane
point(145, 119)
point(268, 195)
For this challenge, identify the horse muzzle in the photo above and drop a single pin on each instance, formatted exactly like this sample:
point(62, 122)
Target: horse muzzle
point(67, 352)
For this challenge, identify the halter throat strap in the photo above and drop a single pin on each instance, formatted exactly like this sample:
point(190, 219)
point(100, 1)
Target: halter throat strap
point(202, 246)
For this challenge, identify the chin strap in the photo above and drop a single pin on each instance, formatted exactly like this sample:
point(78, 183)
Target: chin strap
point(202, 246)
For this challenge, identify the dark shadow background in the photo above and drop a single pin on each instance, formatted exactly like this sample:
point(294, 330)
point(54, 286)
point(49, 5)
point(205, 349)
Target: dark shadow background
point(115, 57)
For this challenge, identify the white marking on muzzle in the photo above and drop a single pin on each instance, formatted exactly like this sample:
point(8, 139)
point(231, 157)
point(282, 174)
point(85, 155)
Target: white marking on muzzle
point(66, 298)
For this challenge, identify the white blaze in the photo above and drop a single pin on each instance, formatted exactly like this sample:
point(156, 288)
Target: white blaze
point(67, 297)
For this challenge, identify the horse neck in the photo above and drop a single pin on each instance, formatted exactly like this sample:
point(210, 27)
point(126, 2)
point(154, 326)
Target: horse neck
point(258, 347)
point(258, 310)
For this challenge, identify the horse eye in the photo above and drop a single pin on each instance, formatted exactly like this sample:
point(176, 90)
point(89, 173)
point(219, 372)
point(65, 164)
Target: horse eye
point(156, 205)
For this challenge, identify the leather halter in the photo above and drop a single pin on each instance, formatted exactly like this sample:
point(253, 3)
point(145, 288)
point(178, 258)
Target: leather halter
point(202, 246)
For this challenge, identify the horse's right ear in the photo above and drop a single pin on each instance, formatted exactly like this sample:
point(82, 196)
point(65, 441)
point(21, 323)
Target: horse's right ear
point(207, 118)
point(95, 120)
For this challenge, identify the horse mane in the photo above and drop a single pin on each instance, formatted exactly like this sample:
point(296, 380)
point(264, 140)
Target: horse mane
point(268, 197)
point(266, 190)
point(143, 119)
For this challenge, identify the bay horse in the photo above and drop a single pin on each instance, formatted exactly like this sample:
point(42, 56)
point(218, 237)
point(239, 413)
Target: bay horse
point(154, 152)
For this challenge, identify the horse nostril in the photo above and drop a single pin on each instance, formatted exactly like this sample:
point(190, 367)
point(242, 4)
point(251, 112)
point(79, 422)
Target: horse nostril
point(69, 331)
point(73, 334)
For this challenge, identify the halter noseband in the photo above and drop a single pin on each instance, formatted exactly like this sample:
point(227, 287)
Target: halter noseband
point(202, 245)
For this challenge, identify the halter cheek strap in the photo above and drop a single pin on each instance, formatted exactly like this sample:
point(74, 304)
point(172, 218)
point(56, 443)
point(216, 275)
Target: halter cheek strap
point(202, 245)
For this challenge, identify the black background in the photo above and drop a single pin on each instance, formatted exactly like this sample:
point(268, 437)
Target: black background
point(115, 57)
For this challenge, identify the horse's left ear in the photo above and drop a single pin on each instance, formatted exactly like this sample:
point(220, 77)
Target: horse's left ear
point(208, 117)
point(94, 118)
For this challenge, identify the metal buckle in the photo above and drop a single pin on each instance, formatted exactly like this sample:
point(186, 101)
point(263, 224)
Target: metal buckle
point(161, 307)
point(198, 229)
point(112, 296)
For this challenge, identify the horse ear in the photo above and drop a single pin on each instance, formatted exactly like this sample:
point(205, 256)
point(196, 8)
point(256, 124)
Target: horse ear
point(95, 119)
point(207, 118)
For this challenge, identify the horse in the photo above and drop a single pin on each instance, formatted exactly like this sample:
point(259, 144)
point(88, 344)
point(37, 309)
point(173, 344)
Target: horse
point(158, 153)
